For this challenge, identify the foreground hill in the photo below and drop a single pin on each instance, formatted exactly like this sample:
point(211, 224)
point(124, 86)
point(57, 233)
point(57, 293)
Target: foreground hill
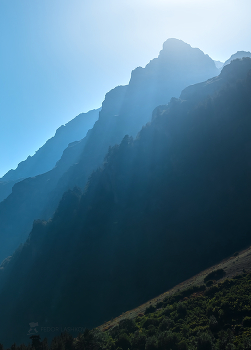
point(162, 208)
point(47, 156)
point(124, 111)
point(236, 265)
point(209, 311)
point(216, 316)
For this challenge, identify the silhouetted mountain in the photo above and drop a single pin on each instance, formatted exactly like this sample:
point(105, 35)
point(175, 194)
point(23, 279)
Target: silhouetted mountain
point(163, 207)
point(47, 156)
point(219, 64)
point(124, 111)
point(238, 54)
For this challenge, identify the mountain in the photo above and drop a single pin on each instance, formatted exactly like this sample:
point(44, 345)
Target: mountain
point(238, 54)
point(47, 156)
point(124, 111)
point(219, 64)
point(218, 299)
point(205, 317)
point(163, 207)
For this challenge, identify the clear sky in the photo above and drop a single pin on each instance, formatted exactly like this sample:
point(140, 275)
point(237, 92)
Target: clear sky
point(58, 58)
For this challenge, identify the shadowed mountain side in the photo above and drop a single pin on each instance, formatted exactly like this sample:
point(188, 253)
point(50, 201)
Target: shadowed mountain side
point(124, 111)
point(163, 207)
point(229, 76)
point(46, 157)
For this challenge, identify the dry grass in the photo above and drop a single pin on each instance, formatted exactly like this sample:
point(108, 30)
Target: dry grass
point(232, 266)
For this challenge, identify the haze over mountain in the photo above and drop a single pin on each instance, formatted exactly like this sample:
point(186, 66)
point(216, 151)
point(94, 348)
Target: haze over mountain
point(46, 157)
point(60, 58)
point(238, 54)
point(124, 111)
point(219, 64)
point(161, 208)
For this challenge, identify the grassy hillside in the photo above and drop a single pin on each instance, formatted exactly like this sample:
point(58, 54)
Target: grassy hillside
point(209, 311)
point(236, 265)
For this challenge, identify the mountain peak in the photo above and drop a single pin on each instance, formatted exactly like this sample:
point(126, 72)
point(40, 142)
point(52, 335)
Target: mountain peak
point(173, 43)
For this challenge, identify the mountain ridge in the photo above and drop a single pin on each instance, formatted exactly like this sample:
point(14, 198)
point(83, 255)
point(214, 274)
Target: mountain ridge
point(124, 111)
point(183, 179)
point(46, 157)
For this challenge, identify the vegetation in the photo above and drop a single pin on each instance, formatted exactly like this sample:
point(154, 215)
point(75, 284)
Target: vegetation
point(199, 318)
point(163, 207)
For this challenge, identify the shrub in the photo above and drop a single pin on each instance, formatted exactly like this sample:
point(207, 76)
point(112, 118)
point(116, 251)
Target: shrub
point(123, 342)
point(150, 309)
point(182, 345)
point(215, 275)
point(151, 330)
point(212, 290)
point(204, 342)
point(138, 341)
point(128, 325)
point(167, 310)
point(150, 321)
point(247, 321)
point(209, 283)
point(181, 309)
point(151, 343)
point(168, 340)
point(165, 324)
point(213, 323)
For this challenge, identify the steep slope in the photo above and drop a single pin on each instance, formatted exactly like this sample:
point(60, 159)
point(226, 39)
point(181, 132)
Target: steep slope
point(217, 298)
point(235, 265)
point(206, 317)
point(124, 111)
point(47, 156)
point(163, 207)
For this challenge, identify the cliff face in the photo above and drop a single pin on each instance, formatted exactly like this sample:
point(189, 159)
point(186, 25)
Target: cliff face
point(163, 207)
point(124, 111)
point(47, 156)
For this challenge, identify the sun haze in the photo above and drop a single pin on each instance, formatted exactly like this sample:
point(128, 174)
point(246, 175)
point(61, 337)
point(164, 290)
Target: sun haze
point(59, 58)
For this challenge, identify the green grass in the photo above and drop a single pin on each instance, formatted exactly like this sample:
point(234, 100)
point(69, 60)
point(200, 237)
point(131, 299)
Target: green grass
point(215, 317)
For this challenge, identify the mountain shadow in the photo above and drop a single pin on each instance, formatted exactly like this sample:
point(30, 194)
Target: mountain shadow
point(124, 111)
point(162, 207)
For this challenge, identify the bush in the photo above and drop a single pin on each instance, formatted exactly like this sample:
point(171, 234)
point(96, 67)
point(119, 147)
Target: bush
point(150, 309)
point(215, 275)
point(212, 290)
point(138, 341)
point(209, 283)
point(151, 343)
point(151, 330)
point(213, 323)
point(150, 321)
point(247, 321)
point(123, 342)
point(181, 309)
point(182, 345)
point(128, 325)
point(165, 324)
point(168, 340)
point(204, 342)
point(167, 310)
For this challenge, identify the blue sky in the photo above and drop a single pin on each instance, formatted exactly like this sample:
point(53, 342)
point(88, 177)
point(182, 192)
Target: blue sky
point(58, 58)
